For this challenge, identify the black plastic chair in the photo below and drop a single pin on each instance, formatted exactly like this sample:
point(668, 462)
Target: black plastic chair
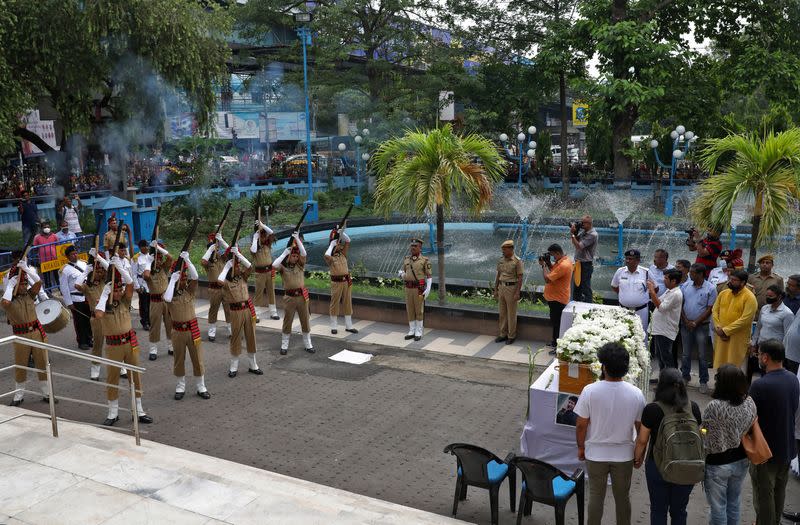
point(480, 468)
point(543, 483)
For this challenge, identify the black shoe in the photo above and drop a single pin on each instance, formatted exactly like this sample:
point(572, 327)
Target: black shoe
point(211, 339)
point(310, 350)
point(231, 373)
point(98, 379)
point(179, 396)
point(334, 331)
point(500, 339)
point(110, 421)
point(256, 371)
point(408, 337)
point(123, 376)
point(258, 319)
point(417, 337)
point(170, 352)
point(510, 340)
point(84, 346)
point(153, 357)
point(145, 419)
point(275, 317)
point(46, 399)
point(204, 395)
point(794, 517)
point(552, 352)
point(351, 330)
point(15, 402)
point(284, 351)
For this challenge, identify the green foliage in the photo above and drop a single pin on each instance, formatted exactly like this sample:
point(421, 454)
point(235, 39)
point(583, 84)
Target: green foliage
point(544, 156)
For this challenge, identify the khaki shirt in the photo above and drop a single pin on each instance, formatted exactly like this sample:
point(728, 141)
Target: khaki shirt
point(181, 309)
point(293, 276)
point(760, 285)
point(118, 320)
point(158, 280)
point(416, 268)
point(22, 309)
point(108, 239)
point(509, 270)
point(214, 268)
point(235, 290)
point(263, 256)
point(92, 292)
point(338, 264)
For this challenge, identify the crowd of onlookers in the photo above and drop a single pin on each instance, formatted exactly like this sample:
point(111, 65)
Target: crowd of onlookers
point(688, 310)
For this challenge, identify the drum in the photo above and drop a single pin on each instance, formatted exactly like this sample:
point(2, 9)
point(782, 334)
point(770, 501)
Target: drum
point(53, 315)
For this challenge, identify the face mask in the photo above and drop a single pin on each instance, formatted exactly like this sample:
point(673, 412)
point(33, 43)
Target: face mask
point(771, 300)
point(46, 230)
point(65, 230)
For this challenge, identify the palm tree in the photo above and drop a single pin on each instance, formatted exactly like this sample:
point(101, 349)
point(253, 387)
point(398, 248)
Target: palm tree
point(424, 172)
point(764, 170)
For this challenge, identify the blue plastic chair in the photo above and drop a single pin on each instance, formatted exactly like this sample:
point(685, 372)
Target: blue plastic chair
point(480, 468)
point(544, 483)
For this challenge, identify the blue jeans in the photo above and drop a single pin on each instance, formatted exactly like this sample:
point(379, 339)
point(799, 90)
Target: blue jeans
point(723, 487)
point(665, 497)
point(695, 339)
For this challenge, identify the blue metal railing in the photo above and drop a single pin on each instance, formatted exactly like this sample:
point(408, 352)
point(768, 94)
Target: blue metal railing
point(50, 278)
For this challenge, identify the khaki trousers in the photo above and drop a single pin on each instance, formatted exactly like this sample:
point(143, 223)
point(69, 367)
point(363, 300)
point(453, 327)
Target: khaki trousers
point(159, 313)
point(181, 342)
point(99, 338)
point(598, 472)
point(22, 354)
point(127, 355)
point(508, 311)
point(215, 300)
point(290, 306)
point(341, 293)
point(265, 290)
point(242, 325)
point(415, 305)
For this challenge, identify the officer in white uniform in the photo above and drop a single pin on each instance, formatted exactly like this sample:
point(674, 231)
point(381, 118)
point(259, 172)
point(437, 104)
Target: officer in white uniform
point(630, 283)
point(74, 299)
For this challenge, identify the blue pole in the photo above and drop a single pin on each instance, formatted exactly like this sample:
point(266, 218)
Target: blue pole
point(733, 238)
point(673, 167)
point(313, 213)
point(357, 199)
point(519, 180)
point(524, 247)
point(432, 236)
point(620, 250)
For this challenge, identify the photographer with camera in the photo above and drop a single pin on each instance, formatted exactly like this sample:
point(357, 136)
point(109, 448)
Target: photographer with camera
point(584, 238)
point(557, 273)
point(708, 247)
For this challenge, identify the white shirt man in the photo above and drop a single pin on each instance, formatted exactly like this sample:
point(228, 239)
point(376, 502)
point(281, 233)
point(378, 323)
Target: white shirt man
point(666, 317)
point(657, 269)
point(630, 283)
point(74, 299)
point(718, 274)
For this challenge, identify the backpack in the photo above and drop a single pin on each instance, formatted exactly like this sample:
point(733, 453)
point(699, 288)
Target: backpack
point(678, 450)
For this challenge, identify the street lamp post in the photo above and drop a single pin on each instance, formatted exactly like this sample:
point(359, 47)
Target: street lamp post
point(359, 157)
point(521, 139)
point(678, 152)
point(304, 32)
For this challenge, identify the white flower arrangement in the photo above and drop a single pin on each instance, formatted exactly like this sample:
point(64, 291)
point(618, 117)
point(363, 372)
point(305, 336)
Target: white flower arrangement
point(591, 330)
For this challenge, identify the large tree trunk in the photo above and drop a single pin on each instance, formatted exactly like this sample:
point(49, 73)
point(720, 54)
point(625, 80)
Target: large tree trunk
point(622, 125)
point(562, 93)
point(757, 211)
point(440, 252)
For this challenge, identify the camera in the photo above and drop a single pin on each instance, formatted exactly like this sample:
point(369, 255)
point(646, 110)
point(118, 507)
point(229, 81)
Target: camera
point(545, 258)
point(691, 232)
point(576, 225)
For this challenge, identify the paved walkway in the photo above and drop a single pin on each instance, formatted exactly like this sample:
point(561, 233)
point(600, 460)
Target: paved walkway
point(89, 476)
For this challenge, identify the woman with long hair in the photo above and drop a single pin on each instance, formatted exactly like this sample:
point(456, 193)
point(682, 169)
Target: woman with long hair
point(727, 417)
point(665, 497)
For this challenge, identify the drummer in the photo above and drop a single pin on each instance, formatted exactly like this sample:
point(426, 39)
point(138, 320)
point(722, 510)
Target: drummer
point(74, 298)
point(21, 313)
point(114, 312)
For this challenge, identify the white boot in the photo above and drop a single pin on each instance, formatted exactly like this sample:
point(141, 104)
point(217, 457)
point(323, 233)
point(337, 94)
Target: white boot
point(253, 365)
point(273, 312)
point(113, 413)
point(412, 326)
point(153, 352)
point(418, 331)
point(228, 328)
point(307, 342)
point(334, 324)
point(45, 390)
point(180, 388)
point(94, 372)
point(348, 324)
point(139, 410)
point(19, 394)
point(233, 367)
point(212, 331)
point(202, 391)
point(285, 343)
point(123, 372)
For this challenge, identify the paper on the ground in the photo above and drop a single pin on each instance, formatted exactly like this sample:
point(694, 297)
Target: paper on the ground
point(354, 358)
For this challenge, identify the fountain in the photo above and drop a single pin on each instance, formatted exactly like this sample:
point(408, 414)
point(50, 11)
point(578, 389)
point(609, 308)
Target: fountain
point(622, 204)
point(530, 208)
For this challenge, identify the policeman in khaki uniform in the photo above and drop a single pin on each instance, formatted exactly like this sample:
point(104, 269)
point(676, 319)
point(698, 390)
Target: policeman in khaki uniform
point(261, 248)
point(416, 273)
point(507, 285)
point(155, 275)
point(114, 311)
point(18, 302)
point(180, 297)
point(213, 262)
point(91, 283)
point(233, 280)
point(111, 234)
point(295, 297)
point(341, 282)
